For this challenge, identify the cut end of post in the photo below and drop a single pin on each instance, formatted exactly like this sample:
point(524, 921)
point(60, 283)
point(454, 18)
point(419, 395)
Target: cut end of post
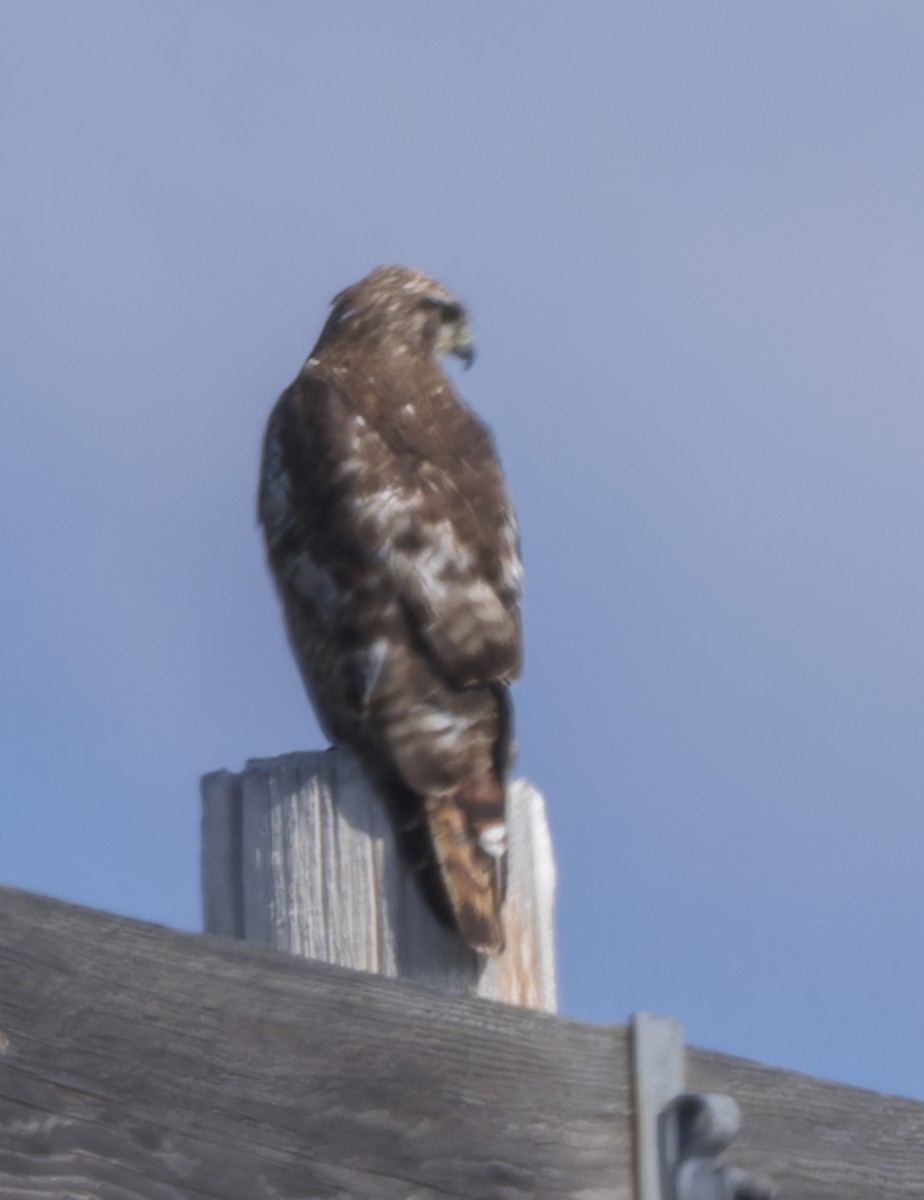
point(298, 853)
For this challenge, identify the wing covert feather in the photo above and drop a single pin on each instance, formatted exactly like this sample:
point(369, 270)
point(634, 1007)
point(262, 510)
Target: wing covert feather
point(348, 497)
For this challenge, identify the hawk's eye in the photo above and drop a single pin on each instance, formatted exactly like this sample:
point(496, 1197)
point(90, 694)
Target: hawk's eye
point(448, 310)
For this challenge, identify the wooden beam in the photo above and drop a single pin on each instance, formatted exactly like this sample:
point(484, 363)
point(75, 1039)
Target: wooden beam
point(138, 1063)
point(298, 853)
point(817, 1140)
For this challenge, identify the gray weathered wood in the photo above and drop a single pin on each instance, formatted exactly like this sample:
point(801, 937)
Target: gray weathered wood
point(139, 1063)
point(816, 1140)
point(298, 853)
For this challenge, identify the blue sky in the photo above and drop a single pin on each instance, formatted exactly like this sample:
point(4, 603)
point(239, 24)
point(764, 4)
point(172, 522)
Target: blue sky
point(691, 240)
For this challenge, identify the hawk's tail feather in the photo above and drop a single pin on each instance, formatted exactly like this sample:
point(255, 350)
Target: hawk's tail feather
point(455, 844)
point(469, 838)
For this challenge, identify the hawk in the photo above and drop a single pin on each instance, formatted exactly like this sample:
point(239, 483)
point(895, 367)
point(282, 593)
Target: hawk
point(394, 549)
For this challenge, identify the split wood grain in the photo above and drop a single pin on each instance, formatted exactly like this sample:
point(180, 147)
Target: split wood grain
point(299, 853)
point(139, 1063)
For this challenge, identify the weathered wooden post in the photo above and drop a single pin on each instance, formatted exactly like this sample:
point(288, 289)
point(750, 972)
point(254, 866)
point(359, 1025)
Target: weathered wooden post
point(299, 853)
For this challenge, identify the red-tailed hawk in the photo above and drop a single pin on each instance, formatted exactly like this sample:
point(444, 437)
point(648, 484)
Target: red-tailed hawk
point(394, 549)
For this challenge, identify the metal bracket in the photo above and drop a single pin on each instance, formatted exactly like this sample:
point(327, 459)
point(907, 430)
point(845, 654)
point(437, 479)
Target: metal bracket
point(678, 1134)
point(693, 1129)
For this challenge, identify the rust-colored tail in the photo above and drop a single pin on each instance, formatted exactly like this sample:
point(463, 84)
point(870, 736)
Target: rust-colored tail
point(469, 839)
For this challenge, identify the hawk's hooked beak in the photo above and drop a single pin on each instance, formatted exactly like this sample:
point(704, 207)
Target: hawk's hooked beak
point(464, 347)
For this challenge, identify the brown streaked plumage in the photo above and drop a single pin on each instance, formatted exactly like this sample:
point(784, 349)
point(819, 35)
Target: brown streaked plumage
point(394, 549)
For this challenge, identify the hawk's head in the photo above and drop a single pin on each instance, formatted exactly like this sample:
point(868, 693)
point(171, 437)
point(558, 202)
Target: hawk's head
point(399, 311)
